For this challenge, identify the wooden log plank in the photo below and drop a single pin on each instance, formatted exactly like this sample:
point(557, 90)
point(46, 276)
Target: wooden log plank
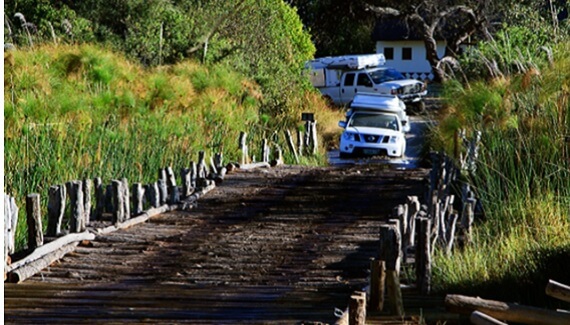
point(56, 209)
point(505, 311)
point(479, 318)
point(34, 220)
point(30, 269)
point(558, 290)
point(254, 166)
point(50, 247)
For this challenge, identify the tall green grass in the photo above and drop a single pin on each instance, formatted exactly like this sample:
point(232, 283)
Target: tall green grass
point(84, 112)
point(522, 181)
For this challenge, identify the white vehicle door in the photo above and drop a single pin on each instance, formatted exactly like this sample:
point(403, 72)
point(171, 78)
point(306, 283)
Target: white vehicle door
point(364, 84)
point(348, 87)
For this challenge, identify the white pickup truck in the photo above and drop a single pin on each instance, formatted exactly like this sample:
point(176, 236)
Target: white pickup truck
point(340, 78)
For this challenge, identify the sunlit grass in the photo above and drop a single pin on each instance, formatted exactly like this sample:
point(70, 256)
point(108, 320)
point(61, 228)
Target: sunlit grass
point(75, 112)
point(522, 181)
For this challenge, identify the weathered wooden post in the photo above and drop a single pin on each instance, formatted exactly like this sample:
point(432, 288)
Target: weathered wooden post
point(468, 218)
point(99, 198)
point(153, 194)
point(138, 195)
point(314, 138)
point(451, 233)
point(221, 175)
point(118, 204)
point(34, 220)
point(202, 173)
point(243, 148)
point(219, 160)
point(300, 142)
point(264, 151)
point(170, 177)
point(357, 308)
point(174, 195)
point(400, 212)
point(11, 223)
point(277, 156)
point(87, 189)
point(377, 284)
point(213, 168)
point(291, 145)
point(126, 199)
point(390, 248)
point(413, 209)
point(186, 182)
point(423, 255)
point(109, 199)
point(76, 222)
point(193, 175)
point(162, 185)
point(56, 209)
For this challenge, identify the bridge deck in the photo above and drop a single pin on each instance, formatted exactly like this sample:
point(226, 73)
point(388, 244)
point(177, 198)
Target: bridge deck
point(286, 245)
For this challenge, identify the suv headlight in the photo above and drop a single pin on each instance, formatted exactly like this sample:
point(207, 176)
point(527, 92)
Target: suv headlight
point(394, 139)
point(349, 136)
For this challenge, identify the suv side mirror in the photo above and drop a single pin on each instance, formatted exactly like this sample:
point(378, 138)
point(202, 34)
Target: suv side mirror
point(342, 124)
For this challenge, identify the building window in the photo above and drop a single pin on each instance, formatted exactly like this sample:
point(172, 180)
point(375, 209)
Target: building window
point(406, 53)
point(389, 53)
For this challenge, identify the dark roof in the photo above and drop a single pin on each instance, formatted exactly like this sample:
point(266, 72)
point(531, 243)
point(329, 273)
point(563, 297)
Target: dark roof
point(394, 29)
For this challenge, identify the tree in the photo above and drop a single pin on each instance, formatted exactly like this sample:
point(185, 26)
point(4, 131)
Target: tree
point(457, 22)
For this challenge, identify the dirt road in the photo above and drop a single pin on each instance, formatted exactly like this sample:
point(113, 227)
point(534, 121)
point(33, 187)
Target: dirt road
point(284, 245)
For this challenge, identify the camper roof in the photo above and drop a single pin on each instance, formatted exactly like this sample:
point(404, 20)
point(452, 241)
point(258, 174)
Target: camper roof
point(375, 102)
point(353, 62)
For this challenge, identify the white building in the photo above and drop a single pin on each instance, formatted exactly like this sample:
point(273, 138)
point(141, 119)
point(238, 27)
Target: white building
point(404, 49)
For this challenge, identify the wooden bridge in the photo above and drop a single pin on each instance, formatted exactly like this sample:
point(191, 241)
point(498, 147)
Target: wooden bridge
point(285, 245)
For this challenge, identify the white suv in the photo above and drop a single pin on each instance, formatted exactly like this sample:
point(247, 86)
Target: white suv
point(372, 133)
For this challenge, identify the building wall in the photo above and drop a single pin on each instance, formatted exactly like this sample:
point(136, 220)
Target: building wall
point(417, 67)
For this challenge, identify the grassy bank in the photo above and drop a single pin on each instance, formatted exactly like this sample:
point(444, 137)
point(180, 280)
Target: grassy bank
point(83, 112)
point(522, 180)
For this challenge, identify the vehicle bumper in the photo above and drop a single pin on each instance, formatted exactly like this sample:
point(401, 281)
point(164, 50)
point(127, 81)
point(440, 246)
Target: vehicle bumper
point(412, 98)
point(357, 148)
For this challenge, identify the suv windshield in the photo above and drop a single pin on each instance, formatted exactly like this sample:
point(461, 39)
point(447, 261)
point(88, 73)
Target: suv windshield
point(372, 120)
point(382, 75)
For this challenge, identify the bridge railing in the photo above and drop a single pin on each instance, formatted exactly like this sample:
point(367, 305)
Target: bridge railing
point(81, 209)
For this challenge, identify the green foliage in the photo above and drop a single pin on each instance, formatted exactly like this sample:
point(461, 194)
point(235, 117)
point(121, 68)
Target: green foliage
point(522, 178)
point(73, 112)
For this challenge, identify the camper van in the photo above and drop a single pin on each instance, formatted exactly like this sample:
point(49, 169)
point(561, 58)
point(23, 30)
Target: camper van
point(340, 78)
